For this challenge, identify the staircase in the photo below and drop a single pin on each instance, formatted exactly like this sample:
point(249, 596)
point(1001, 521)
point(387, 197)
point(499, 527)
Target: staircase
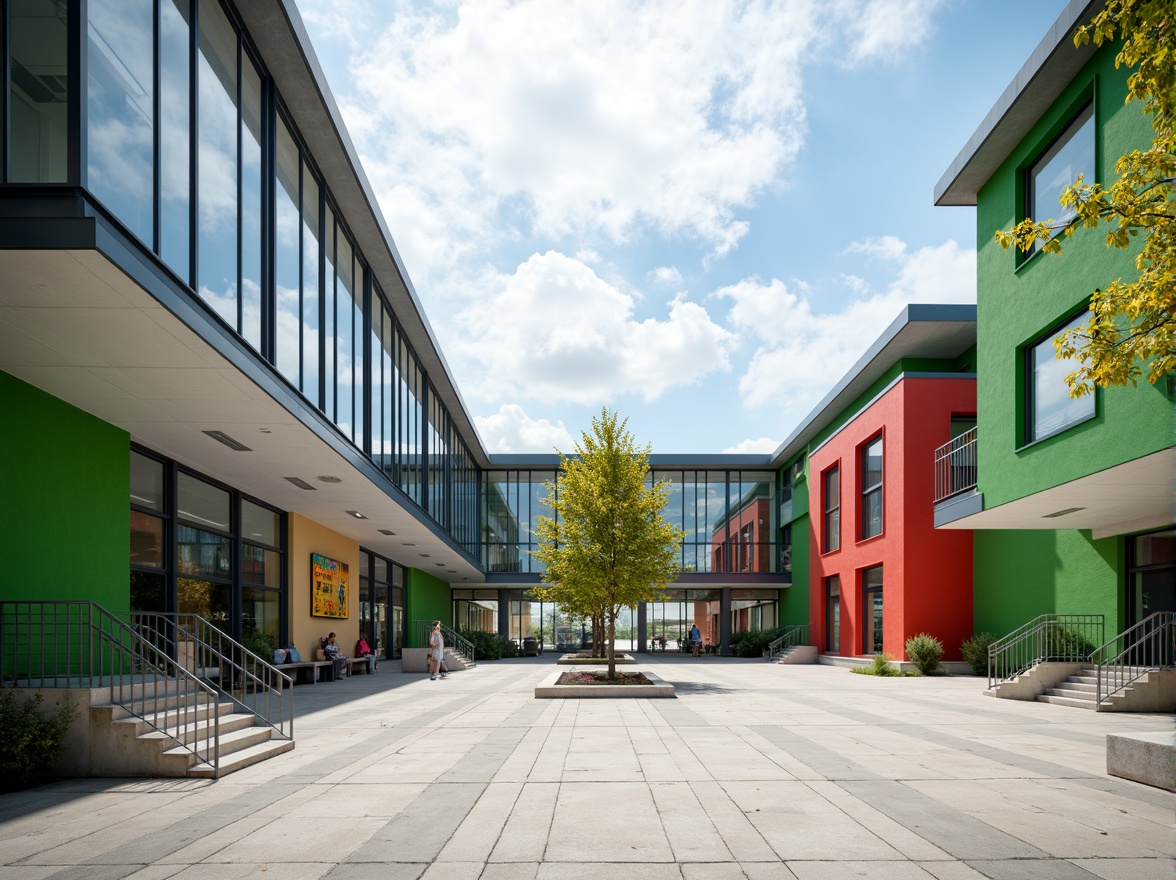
point(1080, 690)
point(162, 694)
point(236, 738)
point(797, 654)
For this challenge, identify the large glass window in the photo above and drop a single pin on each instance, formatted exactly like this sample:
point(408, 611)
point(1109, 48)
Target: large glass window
point(311, 252)
point(872, 610)
point(1151, 575)
point(251, 232)
point(216, 222)
point(120, 99)
point(1051, 408)
point(832, 500)
point(871, 472)
point(475, 610)
point(38, 47)
point(1070, 155)
point(833, 614)
point(287, 256)
point(175, 104)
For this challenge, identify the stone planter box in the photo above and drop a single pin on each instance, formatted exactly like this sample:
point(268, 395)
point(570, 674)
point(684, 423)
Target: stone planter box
point(574, 660)
point(549, 690)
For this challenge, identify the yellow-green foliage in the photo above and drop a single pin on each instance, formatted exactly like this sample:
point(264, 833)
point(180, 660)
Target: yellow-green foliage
point(1129, 321)
point(606, 547)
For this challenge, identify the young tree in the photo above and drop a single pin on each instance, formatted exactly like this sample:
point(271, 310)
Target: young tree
point(1133, 321)
point(606, 547)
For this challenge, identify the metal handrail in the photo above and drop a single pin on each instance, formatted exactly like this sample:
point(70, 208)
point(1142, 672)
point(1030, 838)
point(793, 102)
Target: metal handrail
point(955, 466)
point(79, 644)
point(249, 681)
point(793, 636)
point(1133, 653)
point(454, 641)
point(1066, 638)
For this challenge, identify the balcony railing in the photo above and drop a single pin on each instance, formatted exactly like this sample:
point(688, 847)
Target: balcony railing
point(955, 466)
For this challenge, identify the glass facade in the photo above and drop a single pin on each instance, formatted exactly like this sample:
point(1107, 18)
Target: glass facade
point(872, 610)
point(381, 604)
point(871, 476)
point(1070, 155)
point(188, 146)
point(1051, 408)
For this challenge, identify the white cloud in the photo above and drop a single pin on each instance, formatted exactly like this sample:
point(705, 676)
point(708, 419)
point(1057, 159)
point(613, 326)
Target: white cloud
point(764, 445)
point(882, 29)
point(805, 352)
point(555, 331)
point(666, 275)
point(511, 430)
point(886, 247)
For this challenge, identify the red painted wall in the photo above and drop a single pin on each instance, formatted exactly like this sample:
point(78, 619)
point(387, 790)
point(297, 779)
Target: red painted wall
point(926, 574)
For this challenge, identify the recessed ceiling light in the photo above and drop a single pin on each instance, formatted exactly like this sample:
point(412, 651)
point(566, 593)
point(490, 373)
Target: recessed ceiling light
point(425, 555)
point(439, 564)
point(385, 531)
point(356, 514)
point(222, 437)
point(1058, 513)
point(265, 430)
point(409, 545)
point(451, 571)
point(301, 483)
point(328, 478)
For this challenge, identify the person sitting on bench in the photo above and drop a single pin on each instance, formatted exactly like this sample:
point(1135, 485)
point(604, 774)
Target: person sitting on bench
point(362, 649)
point(331, 649)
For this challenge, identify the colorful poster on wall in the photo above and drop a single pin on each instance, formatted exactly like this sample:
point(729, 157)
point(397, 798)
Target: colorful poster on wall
point(328, 587)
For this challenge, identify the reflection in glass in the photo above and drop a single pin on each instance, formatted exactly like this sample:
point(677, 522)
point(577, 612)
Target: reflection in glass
point(259, 614)
point(833, 614)
point(872, 489)
point(328, 334)
point(38, 89)
point(250, 202)
point(872, 610)
point(1071, 155)
point(175, 174)
point(216, 275)
point(146, 482)
point(260, 524)
point(212, 601)
point(310, 286)
point(287, 262)
point(1053, 408)
point(146, 540)
point(203, 553)
point(202, 503)
point(260, 566)
point(120, 99)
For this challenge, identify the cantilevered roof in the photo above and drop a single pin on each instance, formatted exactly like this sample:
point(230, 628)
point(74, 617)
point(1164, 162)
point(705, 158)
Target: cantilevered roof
point(920, 331)
point(1039, 82)
point(276, 29)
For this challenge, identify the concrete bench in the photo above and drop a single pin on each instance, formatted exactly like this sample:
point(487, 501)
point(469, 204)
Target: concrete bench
point(307, 671)
point(363, 664)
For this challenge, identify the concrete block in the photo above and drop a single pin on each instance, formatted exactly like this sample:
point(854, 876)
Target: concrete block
point(1034, 682)
point(1149, 758)
point(548, 689)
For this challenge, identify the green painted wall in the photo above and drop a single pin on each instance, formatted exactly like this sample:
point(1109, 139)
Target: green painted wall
point(426, 598)
point(1021, 574)
point(794, 601)
point(1016, 304)
point(66, 501)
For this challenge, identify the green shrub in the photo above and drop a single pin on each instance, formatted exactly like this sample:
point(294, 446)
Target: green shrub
point(881, 666)
point(975, 651)
point(33, 739)
point(488, 645)
point(753, 643)
point(260, 643)
point(925, 651)
point(1066, 643)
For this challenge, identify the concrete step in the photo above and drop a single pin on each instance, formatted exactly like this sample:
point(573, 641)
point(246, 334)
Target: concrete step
point(173, 717)
point(1086, 687)
point(1064, 690)
point(1076, 703)
point(230, 743)
point(201, 730)
point(240, 760)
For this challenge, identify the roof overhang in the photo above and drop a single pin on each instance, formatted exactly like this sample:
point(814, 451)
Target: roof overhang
point(1131, 497)
point(1040, 81)
point(920, 331)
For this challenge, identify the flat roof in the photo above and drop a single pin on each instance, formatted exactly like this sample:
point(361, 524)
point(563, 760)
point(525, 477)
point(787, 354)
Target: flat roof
point(920, 331)
point(1040, 81)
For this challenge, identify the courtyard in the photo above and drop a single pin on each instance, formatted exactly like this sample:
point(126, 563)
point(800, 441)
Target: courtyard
point(755, 771)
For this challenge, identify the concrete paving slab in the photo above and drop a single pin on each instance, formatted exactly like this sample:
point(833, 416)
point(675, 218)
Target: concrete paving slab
point(757, 770)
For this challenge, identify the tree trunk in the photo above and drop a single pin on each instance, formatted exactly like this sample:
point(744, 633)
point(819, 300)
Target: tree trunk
point(612, 645)
point(597, 635)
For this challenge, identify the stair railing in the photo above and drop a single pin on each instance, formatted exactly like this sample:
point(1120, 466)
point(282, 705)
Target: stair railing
point(1146, 647)
point(454, 641)
point(793, 636)
point(1065, 638)
point(251, 682)
point(79, 644)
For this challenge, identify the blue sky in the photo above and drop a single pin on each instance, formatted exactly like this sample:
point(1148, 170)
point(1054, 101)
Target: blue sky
point(699, 213)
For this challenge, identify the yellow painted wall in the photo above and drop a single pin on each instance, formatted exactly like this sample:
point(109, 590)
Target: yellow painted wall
point(307, 537)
